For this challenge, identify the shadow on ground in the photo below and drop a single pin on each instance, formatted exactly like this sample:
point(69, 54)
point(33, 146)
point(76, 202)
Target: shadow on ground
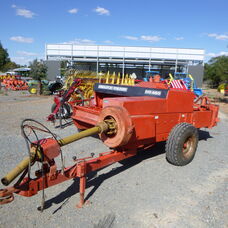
point(96, 181)
point(204, 135)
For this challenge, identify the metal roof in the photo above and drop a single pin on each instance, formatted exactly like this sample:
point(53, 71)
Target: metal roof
point(22, 69)
point(134, 53)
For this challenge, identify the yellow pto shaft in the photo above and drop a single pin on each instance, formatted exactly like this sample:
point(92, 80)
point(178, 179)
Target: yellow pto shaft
point(102, 127)
point(99, 128)
point(18, 169)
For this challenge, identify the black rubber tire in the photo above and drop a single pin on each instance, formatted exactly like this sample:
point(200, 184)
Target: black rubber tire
point(66, 111)
point(182, 144)
point(55, 86)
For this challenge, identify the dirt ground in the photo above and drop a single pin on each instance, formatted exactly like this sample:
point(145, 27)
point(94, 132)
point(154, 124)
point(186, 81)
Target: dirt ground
point(218, 98)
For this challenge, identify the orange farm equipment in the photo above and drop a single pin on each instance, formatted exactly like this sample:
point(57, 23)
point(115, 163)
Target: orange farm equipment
point(127, 118)
point(78, 89)
point(15, 84)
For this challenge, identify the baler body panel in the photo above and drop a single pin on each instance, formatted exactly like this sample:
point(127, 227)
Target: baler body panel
point(153, 116)
point(202, 119)
point(179, 101)
point(138, 105)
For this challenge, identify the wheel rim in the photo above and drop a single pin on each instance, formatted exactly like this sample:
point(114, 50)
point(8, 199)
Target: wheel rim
point(63, 112)
point(33, 90)
point(189, 147)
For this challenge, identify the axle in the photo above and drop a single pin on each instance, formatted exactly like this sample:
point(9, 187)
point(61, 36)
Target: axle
point(36, 152)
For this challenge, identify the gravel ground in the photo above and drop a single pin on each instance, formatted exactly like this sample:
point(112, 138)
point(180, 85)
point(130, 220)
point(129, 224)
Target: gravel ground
point(145, 192)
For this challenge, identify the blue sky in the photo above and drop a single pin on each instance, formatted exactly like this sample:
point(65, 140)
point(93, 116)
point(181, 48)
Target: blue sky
point(26, 25)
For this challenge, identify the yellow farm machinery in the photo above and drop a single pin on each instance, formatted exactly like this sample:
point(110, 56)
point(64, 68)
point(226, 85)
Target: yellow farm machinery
point(78, 89)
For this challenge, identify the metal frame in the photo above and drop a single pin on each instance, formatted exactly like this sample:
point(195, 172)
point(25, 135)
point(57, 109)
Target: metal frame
point(146, 56)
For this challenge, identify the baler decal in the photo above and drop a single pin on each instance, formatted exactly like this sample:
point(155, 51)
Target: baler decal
point(130, 91)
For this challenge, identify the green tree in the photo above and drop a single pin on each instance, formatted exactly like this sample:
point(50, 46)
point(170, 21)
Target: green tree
point(10, 65)
point(5, 62)
point(216, 70)
point(4, 57)
point(38, 72)
point(63, 67)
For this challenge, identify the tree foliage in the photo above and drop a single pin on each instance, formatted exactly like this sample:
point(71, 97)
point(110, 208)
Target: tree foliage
point(63, 67)
point(38, 70)
point(4, 57)
point(5, 62)
point(10, 65)
point(216, 70)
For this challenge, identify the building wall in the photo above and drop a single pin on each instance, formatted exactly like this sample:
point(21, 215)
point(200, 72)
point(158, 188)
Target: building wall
point(126, 59)
point(197, 73)
point(53, 69)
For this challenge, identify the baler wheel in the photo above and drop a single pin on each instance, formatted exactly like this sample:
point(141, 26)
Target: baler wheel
point(65, 113)
point(182, 144)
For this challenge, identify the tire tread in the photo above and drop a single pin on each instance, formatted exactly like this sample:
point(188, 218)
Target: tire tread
point(174, 138)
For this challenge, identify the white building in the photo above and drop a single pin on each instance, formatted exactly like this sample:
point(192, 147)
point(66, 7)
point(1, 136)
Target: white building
point(129, 59)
